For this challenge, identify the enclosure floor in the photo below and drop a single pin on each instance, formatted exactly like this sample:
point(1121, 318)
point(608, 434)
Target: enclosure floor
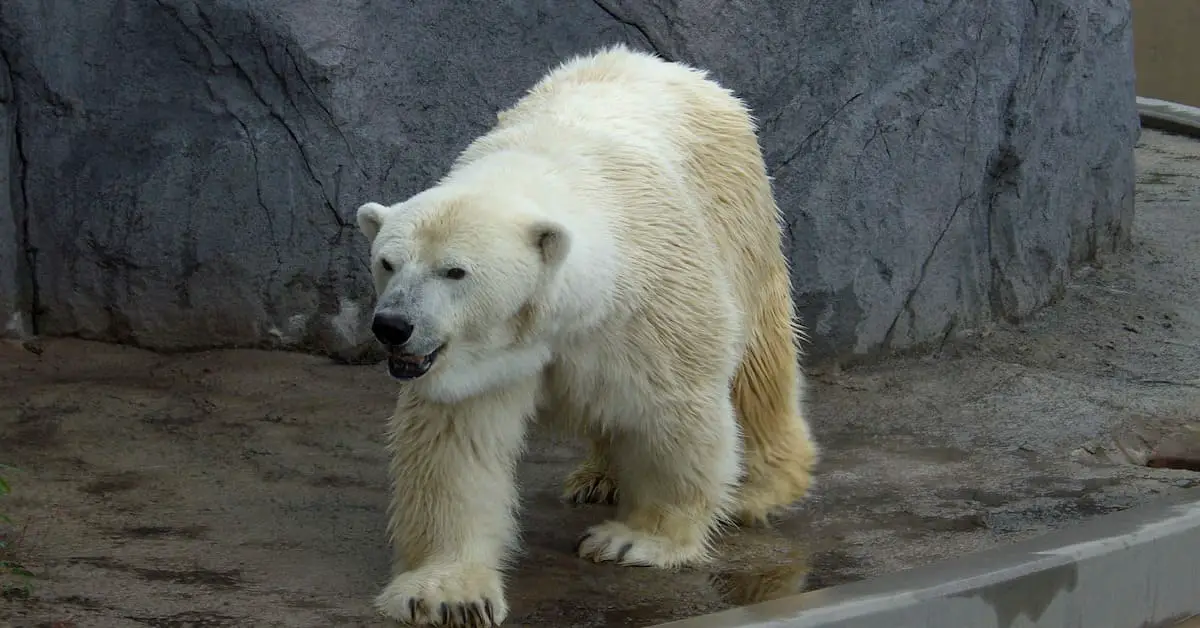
point(247, 488)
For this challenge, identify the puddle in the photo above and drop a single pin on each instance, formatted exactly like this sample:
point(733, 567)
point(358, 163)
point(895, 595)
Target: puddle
point(739, 588)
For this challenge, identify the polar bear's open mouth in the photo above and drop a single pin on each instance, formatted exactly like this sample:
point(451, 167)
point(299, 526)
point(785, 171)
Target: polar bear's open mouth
point(403, 365)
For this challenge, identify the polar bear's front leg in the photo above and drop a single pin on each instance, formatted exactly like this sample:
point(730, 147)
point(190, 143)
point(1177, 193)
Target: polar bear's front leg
point(452, 508)
point(677, 474)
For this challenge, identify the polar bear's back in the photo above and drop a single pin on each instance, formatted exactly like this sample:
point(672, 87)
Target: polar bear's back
point(666, 133)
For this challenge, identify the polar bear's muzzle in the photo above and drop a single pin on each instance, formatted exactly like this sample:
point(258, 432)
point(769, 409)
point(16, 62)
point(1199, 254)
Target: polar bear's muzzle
point(405, 366)
point(395, 332)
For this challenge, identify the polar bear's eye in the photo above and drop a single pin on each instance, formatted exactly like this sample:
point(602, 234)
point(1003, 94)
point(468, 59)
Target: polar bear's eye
point(386, 265)
point(455, 273)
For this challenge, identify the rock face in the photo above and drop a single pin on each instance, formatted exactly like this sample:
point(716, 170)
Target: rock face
point(14, 294)
point(183, 174)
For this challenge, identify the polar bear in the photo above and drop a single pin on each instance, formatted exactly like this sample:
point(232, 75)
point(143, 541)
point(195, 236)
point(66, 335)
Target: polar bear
point(605, 259)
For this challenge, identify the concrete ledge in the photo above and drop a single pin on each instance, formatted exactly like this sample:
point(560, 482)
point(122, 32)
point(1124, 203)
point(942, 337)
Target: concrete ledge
point(1165, 115)
point(1135, 569)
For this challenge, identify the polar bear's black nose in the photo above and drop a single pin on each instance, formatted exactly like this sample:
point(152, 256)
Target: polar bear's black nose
point(391, 329)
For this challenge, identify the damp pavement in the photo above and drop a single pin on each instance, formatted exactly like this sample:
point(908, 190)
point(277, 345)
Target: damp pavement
point(248, 488)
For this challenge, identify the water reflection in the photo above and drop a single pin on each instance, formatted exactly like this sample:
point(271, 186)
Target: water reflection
point(749, 586)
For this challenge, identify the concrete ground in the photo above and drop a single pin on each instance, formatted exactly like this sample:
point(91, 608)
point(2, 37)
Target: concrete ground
point(246, 488)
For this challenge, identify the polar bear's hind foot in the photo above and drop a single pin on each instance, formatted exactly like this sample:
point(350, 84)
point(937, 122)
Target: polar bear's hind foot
point(588, 485)
point(775, 481)
point(592, 482)
point(771, 488)
point(620, 543)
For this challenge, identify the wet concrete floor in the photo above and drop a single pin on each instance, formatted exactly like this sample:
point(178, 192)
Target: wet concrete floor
point(247, 488)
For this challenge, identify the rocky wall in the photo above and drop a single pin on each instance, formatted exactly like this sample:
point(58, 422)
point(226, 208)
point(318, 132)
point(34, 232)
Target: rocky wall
point(183, 174)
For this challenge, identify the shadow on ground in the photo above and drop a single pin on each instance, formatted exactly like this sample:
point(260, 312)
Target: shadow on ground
point(244, 488)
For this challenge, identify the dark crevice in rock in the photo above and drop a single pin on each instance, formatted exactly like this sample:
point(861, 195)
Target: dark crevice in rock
point(965, 163)
point(655, 44)
point(316, 99)
point(799, 150)
point(206, 33)
point(274, 76)
point(906, 306)
point(1001, 176)
point(282, 81)
point(268, 214)
point(20, 199)
point(27, 246)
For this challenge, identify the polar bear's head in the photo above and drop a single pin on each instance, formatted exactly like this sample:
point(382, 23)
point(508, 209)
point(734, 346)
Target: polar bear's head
point(455, 268)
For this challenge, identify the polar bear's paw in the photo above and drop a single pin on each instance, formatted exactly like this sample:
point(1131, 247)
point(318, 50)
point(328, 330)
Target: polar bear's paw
point(613, 541)
point(458, 596)
point(587, 485)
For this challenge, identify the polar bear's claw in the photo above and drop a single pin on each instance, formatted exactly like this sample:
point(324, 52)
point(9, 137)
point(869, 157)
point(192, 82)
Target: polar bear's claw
point(589, 486)
point(616, 542)
point(469, 597)
point(623, 552)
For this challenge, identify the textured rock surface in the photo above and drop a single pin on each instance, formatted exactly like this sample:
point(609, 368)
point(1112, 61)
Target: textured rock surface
point(14, 303)
point(191, 169)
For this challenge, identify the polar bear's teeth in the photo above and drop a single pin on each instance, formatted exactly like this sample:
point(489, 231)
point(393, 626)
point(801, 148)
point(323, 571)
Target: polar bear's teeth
point(400, 356)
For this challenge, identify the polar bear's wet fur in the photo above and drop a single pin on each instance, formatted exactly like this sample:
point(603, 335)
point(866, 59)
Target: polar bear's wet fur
point(605, 260)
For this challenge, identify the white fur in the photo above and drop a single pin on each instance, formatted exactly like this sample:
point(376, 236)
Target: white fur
point(627, 323)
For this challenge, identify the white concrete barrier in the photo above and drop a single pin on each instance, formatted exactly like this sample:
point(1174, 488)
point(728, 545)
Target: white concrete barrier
point(1139, 568)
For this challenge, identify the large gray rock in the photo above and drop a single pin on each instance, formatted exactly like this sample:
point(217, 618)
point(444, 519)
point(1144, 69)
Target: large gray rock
point(189, 170)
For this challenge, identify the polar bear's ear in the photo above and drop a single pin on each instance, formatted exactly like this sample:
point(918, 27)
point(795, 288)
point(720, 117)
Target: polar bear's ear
point(370, 219)
point(552, 240)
